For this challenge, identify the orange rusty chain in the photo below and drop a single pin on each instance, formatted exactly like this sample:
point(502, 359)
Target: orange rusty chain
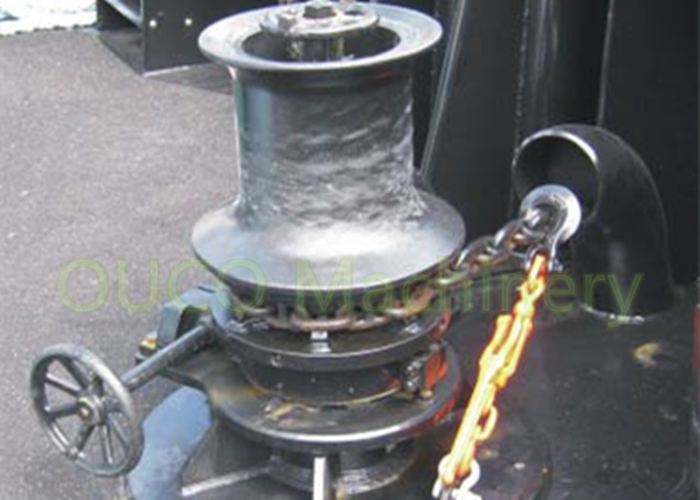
point(459, 472)
point(497, 365)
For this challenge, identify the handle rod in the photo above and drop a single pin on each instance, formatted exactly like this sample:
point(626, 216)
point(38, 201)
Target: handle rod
point(170, 355)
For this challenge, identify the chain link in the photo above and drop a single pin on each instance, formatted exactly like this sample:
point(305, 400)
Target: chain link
point(284, 317)
point(497, 365)
point(519, 239)
point(549, 216)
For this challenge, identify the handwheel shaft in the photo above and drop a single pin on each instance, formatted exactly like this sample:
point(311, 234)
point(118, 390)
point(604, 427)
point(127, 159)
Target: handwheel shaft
point(164, 358)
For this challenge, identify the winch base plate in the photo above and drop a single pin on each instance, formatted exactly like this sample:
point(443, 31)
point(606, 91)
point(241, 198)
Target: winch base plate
point(185, 444)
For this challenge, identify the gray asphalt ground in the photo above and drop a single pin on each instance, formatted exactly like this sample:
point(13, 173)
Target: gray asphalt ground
point(95, 162)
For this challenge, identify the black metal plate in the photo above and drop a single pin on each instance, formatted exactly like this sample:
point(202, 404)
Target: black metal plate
point(514, 463)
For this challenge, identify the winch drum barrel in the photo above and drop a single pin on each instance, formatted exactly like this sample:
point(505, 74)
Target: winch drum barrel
point(325, 153)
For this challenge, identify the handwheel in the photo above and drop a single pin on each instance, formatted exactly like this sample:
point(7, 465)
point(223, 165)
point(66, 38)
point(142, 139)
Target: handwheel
point(92, 400)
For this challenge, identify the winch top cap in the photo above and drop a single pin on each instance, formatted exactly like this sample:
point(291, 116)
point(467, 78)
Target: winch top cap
point(321, 20)
point(231, 41)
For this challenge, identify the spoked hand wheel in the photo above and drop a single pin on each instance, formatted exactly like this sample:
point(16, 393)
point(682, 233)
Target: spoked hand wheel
point(87, 401)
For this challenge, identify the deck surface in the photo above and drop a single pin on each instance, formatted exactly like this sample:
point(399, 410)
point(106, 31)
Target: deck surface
point(95, 162)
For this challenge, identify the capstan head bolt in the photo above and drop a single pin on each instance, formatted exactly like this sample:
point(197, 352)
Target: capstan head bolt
point(319, 9)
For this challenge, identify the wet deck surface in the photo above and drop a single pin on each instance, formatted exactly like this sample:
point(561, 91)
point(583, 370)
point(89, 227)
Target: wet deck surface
point(95, 162)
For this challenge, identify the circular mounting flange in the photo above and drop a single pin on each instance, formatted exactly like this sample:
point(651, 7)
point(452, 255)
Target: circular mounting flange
point(403, 251)
point(515, 462)
point(264, 417)
point(93, 398)
point(226, 41)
